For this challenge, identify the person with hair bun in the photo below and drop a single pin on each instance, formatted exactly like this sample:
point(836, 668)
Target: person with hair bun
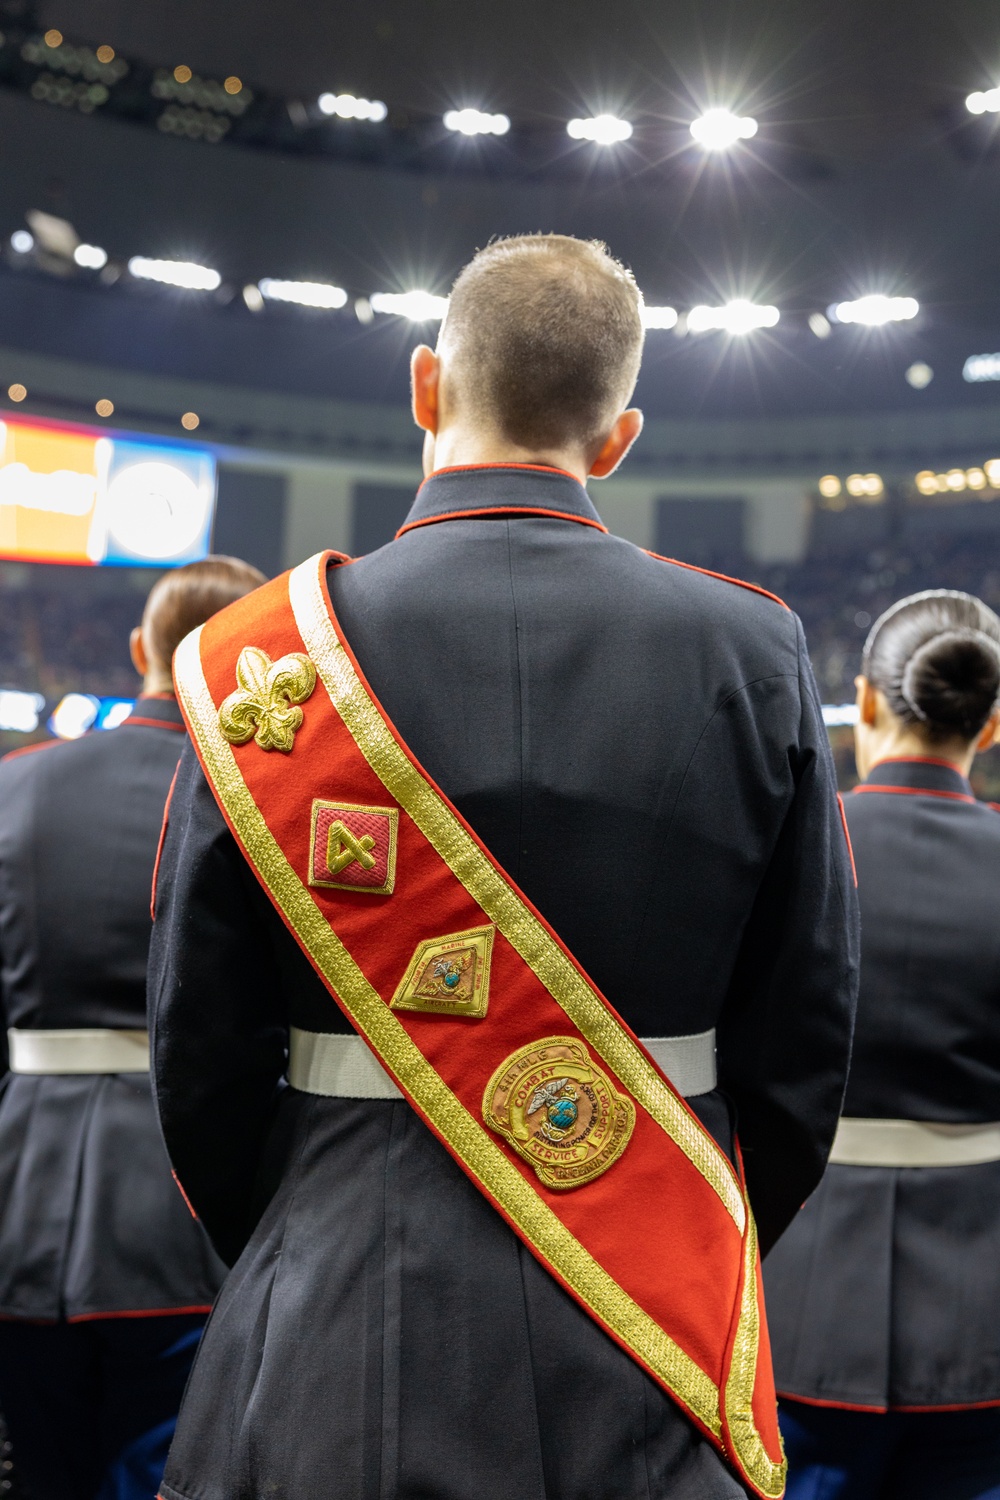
point(884, 1294)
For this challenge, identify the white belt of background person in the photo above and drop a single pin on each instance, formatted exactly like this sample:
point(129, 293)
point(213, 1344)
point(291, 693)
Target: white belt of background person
point(342, 1067)
point(914, 1143)
point(89, 1049)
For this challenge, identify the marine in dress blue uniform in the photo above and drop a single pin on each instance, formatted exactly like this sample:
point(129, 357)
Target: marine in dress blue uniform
point(884, 1295)
point(640, 746)
point(105, 1277)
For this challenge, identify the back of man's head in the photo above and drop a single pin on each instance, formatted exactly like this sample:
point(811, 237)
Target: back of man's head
point(186, 597)
point(542, 340)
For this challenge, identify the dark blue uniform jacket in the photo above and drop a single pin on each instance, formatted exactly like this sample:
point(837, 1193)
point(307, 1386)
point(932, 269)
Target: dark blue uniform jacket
point(641, 747)
point(91, 1222)
point(885, 1292)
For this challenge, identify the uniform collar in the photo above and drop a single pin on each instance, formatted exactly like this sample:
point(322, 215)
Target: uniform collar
point(494, 490)
point(155, 711)
point(918, 773)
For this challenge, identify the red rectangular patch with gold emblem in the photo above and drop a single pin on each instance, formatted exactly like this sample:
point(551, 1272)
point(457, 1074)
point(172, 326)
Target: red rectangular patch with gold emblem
point(353, 848)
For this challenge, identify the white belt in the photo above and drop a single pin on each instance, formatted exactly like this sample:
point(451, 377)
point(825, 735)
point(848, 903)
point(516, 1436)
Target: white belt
point(342, 1067)
point(93, 1050)
point(914, 1143)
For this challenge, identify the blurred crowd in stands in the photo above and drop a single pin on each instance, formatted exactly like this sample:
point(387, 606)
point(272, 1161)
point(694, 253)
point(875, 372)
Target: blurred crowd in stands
point(66, 629)
point(839, 597)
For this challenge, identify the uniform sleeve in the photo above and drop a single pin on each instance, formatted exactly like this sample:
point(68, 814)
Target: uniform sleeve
point(784, 1037)
point(218, 1029)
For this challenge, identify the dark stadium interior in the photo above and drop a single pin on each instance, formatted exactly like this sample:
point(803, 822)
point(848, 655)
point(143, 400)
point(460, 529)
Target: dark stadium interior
point(867, 174)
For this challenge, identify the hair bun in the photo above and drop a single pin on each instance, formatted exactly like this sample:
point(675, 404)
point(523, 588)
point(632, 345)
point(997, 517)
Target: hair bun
point(952, 681)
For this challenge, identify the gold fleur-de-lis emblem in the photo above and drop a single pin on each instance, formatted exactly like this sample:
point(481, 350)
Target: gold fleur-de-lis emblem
point(265, 705)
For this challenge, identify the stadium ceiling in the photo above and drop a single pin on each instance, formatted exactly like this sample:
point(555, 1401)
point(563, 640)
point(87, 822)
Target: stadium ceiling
point(866, 174)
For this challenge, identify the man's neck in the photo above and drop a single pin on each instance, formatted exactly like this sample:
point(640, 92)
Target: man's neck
point(457, 449)
point(157, 684)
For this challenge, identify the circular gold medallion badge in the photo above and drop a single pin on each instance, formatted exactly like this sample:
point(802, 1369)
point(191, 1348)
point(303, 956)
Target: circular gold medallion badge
point(559, 1111)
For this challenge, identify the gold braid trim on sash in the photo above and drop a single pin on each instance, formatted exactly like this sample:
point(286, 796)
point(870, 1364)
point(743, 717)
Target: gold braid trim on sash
point(483, 1159)
point(746, 1440)
point(503, 906)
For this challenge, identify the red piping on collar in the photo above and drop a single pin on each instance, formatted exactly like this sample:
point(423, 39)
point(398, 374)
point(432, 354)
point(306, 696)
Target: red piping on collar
point(531, 469)
point(162, 697)
point(918, 760)
point(501, 510)
point(913, 791)
point(740, 582)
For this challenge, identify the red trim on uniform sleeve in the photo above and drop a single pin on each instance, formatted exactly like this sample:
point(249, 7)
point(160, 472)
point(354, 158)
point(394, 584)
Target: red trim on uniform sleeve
point(515, 511)
point(847, 836)
point(159, 851)
point(741, 583)
point(183, 1194)
point(142, 1312)
point(958, 1406)
point(833, 1405)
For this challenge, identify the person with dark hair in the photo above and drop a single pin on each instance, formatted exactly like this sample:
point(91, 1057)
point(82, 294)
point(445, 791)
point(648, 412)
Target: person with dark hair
point(487, 1241)
point(105, 1277)
point(884, 1295)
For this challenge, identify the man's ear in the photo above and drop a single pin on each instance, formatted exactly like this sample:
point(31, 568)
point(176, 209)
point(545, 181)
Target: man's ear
point(620, 439)
point(989, 732)
point(137, 651)
point(866, 701)
point(425, 379)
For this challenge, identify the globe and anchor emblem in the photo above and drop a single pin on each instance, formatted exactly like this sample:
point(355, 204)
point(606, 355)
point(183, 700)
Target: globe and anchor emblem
point(559, 1110)
point(559, 1099)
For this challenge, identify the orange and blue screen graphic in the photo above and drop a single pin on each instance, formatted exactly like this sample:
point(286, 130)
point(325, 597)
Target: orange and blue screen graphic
point(79, 495)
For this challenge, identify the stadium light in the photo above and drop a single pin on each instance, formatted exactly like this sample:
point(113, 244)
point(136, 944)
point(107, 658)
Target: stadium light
point(874, 311)
point(659, 317)
point(953, 481)
point(868, 487)
point(19, 711)
point(182, 273)
point(603, 130)
point(73, 715)
point(983, 103)
point(839, 715)
point(919, 375)
point(305, 293)
point(21, 241)
point(736, 317)
point(349, 107)
point(419, 307)
point(92, 257)
point(718, 129)
point(475, 122)
point(981, 367)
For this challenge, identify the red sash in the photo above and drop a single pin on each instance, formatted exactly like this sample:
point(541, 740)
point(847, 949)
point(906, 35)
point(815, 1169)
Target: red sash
point(483, 1018)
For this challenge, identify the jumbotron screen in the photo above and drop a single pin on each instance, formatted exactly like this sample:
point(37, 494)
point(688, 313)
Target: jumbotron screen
point(73, 494)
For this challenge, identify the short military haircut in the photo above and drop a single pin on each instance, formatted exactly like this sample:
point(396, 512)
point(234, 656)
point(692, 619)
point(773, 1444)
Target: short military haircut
point(543, 339)
point(188, 596)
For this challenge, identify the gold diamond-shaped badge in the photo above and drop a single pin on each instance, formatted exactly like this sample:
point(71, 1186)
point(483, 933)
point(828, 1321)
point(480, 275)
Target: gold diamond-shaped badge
point(449, 975)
